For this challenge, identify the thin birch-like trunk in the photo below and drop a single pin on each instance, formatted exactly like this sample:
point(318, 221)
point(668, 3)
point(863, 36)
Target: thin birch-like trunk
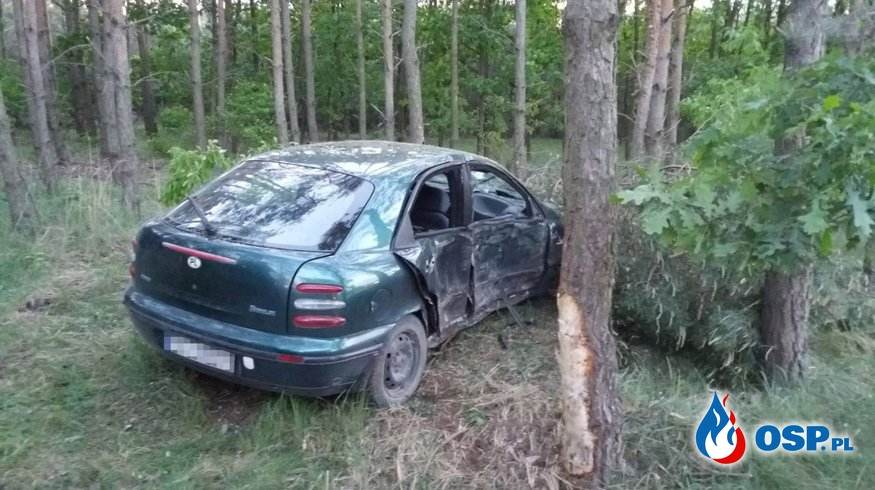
point(309, 72)
point(519, 112)
point(197, 85)
point(279, 108)
point(289, 67)
point(410, 59)
point(646, 74)
point(388, 70)
point(363, 92)
point(653, 136)
point(454, 75)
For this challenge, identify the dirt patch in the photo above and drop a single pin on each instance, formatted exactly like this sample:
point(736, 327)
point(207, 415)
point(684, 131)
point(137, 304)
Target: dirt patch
point(228, 405)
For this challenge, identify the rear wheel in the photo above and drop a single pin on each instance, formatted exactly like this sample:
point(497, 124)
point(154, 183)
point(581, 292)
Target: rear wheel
point(398, 369)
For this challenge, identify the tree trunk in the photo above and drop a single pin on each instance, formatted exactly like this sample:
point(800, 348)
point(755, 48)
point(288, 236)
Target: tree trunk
point(646, 74)
point(197, 85)
point(410, 59)
point(676, 71)
point(26, 18)
point(767, 21)
point(125, 164)
point(80, 98)
point(2, 33)
point(654, 135)
point(591, 409)
point(50, 84)
point(279, 109)
point(253, 33)
point(147, 86)
point(22, 211)
point(103, 89)
point(786, 294)
point(363, 94)
point(221, 68)
point(519, 113)
point(309, 74)
point(291, 98)
point(388, 71)
point(454, 75)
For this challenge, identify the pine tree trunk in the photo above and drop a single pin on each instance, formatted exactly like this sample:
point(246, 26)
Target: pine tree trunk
point(653, 139)
point(291, 98)
point(646, 74)
point(22, 212)
point(410, 59)
point(50, 84)
point(103, 87)
point(197, 85)
point(786, 294)
point(388, 70)
point(519, 113)
point(26, 17)
point(592, 416)
point(2, 33)
point(149, 109)
point(221, 68)
point(79, 95)
point(309, 72)
point(363, 92)
point(276, 41)
point(125, 165)
point(454, 75)
point(676, 72)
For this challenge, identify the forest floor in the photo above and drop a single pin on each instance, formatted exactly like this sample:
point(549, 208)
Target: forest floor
point(85, 403)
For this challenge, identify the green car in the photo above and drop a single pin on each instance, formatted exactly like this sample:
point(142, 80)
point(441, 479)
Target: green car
point(330, 267)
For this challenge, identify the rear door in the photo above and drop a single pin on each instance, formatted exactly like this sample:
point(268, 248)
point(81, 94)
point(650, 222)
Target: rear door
point(433, 239)
point(510, 237)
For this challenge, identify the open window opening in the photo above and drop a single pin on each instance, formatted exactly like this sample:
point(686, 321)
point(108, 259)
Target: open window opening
point(493, 196)
point(438, 203)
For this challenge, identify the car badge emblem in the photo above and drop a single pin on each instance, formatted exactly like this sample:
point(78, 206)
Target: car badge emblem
point(194, 262)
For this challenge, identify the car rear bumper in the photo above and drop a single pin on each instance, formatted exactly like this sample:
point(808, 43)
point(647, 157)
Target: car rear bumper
point(319, 367)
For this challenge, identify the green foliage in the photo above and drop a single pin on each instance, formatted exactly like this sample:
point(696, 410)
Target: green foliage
point(189, 169)
point(748, 203)
point(250, 114)
point(174, 130)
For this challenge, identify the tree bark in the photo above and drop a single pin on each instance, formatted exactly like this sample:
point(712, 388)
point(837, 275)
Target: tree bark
point(221, 68)
point(22, 211)
point(410, 59)
point(519, 113)
point(80, 97)
point(388, 71)
point(149, 108)
point(103, 89)
point(363, 94)
point(2, 33)
point(279, 110)
point(309, 73)
point(676, 71)
point(124, 164)
point(786, 294)
point(26, 18)
point(454, 75)
point(653, 139)
point(291, 98)
point(50, 84)
point(197, 85)
point(591, 409)
point(646, 75)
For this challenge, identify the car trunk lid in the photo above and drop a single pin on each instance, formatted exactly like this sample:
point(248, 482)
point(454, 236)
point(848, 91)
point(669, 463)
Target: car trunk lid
point(232, 282)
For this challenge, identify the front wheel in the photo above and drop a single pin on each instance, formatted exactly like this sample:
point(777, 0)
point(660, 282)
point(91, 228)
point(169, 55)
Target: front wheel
point(399, 368)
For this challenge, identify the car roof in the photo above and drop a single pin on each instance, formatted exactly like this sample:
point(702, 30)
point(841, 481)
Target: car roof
point(370, 159)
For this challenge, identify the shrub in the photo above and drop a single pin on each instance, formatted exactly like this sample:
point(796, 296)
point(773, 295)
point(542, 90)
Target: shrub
point(189, 169)
point(174, 130)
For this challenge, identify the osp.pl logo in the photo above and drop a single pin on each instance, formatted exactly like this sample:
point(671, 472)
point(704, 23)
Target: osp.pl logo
point(720, 439)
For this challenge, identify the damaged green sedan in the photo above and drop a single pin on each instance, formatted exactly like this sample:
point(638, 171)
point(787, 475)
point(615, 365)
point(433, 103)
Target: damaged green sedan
point(330, 267)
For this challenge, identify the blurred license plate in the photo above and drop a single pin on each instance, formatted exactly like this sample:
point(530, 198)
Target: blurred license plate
point(199, 353)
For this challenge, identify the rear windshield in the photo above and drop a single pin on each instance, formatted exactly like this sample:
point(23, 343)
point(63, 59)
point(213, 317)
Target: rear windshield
point(278, 205)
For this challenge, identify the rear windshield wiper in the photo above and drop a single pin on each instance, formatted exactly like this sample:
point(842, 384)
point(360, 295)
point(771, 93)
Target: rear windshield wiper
point(203, 216)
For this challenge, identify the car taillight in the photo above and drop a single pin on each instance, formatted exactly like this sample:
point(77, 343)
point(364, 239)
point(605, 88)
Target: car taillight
point(290, 358)
point(319, 288)
point(318, 321)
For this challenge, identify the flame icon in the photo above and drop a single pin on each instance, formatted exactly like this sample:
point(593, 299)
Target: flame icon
point(717, 437)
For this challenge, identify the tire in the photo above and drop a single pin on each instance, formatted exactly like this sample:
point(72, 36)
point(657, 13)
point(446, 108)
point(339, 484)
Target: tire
point(399, 368)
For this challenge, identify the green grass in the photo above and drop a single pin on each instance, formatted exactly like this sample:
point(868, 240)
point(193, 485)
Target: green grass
point(84, 403)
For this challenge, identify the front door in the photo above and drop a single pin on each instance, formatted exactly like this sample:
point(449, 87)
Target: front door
point(510, 235)
point(434, 240)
